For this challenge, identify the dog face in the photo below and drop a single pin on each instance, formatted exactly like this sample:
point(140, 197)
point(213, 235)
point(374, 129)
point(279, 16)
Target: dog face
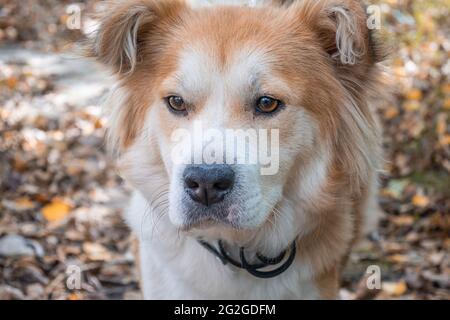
point(227, 97)
point(189, 77)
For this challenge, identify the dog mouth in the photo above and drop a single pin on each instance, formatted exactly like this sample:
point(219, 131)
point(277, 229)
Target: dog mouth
point(206, 219)
point(201, 224)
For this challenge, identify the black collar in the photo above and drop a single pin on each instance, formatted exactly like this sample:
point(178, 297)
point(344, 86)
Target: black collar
point(222, 254)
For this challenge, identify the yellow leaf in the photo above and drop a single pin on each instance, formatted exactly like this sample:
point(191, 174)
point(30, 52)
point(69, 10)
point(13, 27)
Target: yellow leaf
point(411, 105)
point(391, 112)
point(63, 19)
point(447, 104)
point(446, 88)
point(11, 83)
point(441, 126)
point(73, 296)
point(56, 210)
point(98, 124)
point(445, 140)
point(414, 94)
point(420, 201)
point(400, 72)
point(394, 288)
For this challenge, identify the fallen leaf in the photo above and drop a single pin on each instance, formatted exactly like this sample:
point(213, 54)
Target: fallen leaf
point(96, 252)
point(24, 203)
point(391, 112)
point(403, 220)
point(398, 258)
point(411, 105)
point(420, 201)
point(394, 288)
point(445, 140)
point(73, 296)
point(56, 210)
point(447, 104)
point(11, 83)
point(20, 164)
point(446, 88)
point(414, 94)
point(395, 188)
point(393, 247)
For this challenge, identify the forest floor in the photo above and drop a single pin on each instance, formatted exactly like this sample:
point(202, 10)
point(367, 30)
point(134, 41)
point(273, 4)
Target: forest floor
point(61, 199)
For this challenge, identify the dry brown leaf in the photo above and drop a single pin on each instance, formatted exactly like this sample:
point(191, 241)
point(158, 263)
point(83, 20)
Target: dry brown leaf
point(441, 125)
point(11, 83)
point(391, 112)
point(398, 258)
point(24, 203)
point(403, 220)
point(96, 252)
point(20, 164)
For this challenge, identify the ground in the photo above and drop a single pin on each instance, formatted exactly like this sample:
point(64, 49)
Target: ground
point(61, 199)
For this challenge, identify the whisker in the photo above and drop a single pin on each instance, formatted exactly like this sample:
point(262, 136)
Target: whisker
point(150, 208)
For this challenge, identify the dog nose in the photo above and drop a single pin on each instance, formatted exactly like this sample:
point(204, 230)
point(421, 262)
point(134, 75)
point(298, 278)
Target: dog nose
point(208, 184)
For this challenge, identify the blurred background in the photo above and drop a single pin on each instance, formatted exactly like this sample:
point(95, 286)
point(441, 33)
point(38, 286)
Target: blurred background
point(61, 199)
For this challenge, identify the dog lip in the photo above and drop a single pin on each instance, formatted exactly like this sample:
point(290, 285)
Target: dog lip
point(198, 224)
point(207, 222)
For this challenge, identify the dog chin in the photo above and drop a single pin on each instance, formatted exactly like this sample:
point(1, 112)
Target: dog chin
point(220, 222)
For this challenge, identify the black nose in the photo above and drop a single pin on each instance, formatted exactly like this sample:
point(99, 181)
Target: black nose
point(208, 184)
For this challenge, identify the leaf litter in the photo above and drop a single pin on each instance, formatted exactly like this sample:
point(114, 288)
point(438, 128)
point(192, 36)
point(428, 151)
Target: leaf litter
point(61, 200)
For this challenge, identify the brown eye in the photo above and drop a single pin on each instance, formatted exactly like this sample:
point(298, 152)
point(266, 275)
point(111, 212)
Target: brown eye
point(267, 104)
point(176, 103)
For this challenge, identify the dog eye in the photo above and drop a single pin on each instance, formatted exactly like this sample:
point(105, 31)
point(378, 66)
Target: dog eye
point(267, 104)
point(176, 103)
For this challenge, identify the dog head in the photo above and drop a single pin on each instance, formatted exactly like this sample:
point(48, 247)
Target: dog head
point(286, 80)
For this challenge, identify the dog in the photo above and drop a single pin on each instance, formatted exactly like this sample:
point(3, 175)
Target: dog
point(306, 73)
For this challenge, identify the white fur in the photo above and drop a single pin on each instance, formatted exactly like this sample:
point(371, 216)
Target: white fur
point(199, 78)
point(177, 267)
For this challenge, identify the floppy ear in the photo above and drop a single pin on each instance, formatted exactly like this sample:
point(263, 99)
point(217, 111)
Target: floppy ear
point(126, 26)
point(341, 27)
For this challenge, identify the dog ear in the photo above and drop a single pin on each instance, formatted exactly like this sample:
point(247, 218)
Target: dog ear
point(341, 28)
point(124, 29)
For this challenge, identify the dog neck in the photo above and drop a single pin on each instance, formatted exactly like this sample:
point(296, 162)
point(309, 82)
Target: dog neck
point(278, 264)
